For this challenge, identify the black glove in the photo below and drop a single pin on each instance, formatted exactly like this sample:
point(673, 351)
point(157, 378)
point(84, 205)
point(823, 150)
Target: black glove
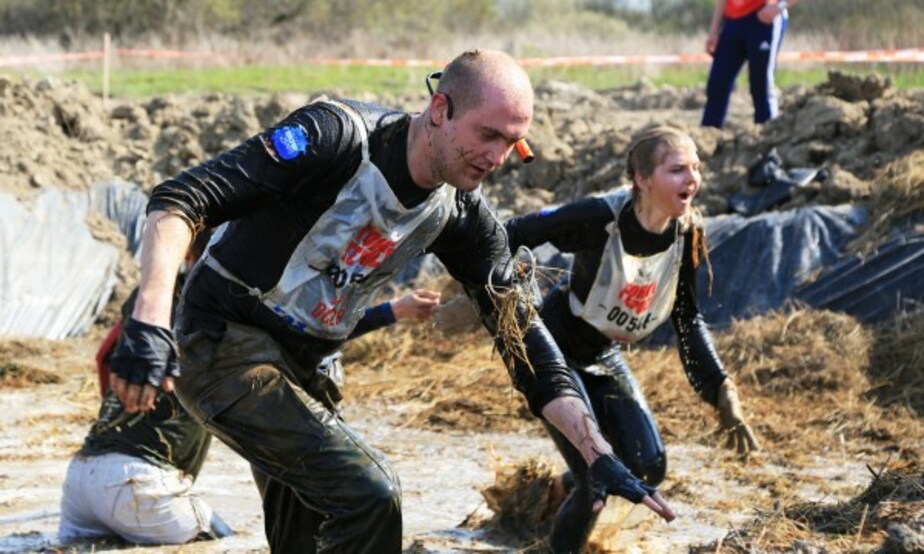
point(145, 354)
point(609, 476)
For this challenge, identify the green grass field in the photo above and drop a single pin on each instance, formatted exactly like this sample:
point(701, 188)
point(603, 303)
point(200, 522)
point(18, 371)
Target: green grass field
point(352, 80)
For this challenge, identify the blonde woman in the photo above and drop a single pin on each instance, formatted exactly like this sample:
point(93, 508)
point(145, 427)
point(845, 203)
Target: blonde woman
point(635, 261)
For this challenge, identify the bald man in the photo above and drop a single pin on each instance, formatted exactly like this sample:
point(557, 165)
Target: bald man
point(314, 215)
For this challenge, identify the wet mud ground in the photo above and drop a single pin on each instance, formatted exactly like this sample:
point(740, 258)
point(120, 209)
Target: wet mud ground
point(832, 401)
point(442, 474)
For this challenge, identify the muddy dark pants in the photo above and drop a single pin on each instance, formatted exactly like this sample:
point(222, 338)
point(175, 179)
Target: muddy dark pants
point(323, 488)
point(627, 424)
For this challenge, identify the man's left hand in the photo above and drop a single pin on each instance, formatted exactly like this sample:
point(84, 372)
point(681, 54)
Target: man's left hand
point(731, 417)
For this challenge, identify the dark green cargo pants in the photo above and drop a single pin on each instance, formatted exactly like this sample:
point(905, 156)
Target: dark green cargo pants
point(323, 488)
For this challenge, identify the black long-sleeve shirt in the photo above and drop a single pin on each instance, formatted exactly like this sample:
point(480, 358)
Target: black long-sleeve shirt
point(580, 228)
point(272, 201)
point(168, 436)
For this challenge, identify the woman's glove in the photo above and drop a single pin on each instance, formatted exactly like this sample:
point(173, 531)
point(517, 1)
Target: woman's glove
point(731, 417)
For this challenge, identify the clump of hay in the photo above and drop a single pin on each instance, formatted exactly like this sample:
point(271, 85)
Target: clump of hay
point(16, 375)
point(805, 381)
point(25, 362)
point(897, 193)
point(897, 359)
point(798, 352)
point(515, 307)
point(890, 510)
point(525, 498)
point(522, 501)
point(855, 88)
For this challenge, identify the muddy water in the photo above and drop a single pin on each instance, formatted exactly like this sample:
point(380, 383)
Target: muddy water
point(441, 476)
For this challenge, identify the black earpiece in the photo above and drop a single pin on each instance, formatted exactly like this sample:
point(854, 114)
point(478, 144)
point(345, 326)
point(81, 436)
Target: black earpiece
point(436, 75)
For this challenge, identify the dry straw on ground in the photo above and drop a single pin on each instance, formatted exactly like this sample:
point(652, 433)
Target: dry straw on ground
point(896, 366)
point(897, 194)
point(886, 517)
point(805, 380)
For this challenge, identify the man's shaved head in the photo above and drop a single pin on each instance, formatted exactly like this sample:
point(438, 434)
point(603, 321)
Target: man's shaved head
point(468, 77)
point(482, 106)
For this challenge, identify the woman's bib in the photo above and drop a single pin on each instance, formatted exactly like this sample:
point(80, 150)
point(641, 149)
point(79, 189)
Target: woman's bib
point(631, 295)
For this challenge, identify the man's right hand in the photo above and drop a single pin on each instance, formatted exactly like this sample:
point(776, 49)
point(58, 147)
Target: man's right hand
point(608, 476)
point(144, 361)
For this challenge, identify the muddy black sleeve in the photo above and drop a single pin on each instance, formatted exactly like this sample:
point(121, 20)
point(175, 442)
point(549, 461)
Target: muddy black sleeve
point(697, 352)
point(302, 154)
point(373, 319)
point(568, 228)
point(473, 247)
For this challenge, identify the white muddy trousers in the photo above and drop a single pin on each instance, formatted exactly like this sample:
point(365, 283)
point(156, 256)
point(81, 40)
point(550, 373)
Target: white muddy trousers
point(115, 494)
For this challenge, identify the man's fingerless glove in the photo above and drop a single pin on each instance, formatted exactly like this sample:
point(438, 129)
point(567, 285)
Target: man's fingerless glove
point(608, 476)
point(145, 354)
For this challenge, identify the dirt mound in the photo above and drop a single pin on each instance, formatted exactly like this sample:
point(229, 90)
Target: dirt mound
point(580, 137)
point(863, 131)
point(61, 135)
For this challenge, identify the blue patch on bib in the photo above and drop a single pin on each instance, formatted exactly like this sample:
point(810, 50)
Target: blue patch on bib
point(290, 142)
point(546, 211)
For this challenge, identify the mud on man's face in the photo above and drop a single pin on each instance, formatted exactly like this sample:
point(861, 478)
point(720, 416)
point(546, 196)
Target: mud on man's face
point(479, 140)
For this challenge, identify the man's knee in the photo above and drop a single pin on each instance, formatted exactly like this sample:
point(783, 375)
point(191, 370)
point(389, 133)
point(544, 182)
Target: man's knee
point(382, 494)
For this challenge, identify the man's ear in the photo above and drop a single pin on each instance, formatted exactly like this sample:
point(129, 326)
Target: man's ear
point(439, 109)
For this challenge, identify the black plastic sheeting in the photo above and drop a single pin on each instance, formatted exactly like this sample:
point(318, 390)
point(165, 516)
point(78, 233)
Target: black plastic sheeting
point(873, 288)
point(773, 184)
point(763, 262)
point(124, 204)
point(759, 262)
point(55, 277)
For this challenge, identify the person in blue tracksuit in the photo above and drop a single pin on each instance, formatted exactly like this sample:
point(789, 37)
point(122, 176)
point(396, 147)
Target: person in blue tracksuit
point(744, 31)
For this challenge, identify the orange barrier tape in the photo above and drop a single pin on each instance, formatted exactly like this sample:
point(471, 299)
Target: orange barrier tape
point(377, 62)
point(9, 61)
point(909, 55)
point(142, 53)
